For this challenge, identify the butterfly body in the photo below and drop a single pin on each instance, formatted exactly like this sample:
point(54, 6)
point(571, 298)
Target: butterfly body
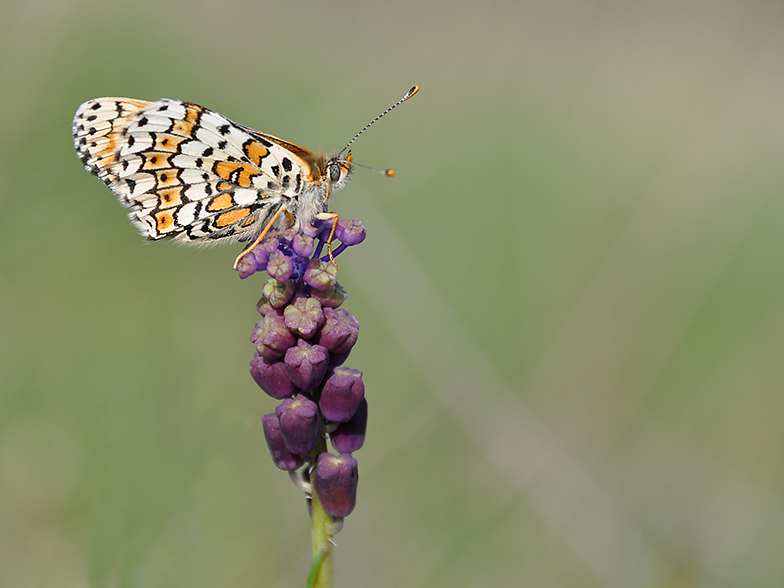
point(192, 175)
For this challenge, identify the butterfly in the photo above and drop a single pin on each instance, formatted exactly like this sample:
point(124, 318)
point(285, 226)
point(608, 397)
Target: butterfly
point(192, 175)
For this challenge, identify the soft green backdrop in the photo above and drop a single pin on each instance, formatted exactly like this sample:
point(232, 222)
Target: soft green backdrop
point(571, 297)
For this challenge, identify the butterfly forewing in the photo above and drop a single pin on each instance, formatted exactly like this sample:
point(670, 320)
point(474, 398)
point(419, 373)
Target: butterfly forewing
point(187, 172)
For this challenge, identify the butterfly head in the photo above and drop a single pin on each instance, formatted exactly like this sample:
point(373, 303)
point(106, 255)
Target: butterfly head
point(338, 171)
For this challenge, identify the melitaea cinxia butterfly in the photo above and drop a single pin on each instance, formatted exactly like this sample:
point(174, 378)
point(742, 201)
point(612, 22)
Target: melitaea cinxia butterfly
point(192, 175)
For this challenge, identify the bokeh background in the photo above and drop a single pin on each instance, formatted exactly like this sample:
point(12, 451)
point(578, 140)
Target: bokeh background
point(571, 297)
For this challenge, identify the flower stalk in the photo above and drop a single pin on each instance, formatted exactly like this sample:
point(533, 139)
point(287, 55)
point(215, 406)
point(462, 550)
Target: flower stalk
point(321, 527)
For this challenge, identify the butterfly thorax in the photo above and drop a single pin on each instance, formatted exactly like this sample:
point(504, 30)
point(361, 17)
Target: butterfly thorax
point(322, 175)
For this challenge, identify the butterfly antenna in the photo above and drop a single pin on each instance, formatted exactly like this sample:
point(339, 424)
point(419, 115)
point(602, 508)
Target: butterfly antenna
point(408, 95)
point(383, 172)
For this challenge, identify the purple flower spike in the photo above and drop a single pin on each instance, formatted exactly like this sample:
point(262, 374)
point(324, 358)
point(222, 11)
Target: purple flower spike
point(304, 316)
point(301, 340)
point(281, 457)
point(278, 293)
point(350, 232)
point(271, 337)
point(331, 298)
point(335, 481)
point(302, 245)
point(300, 424)
point(341, 394)
point(306, 364)
point(272, 377)
point(350, 436)
point(340, 331)
point(320, 275)
point(280, 266)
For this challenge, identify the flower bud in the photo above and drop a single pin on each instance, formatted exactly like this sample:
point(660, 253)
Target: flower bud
point(341, 394)
point(335, 481)
point(272, 377)
point(304, 316)
point(302, 245)
point(281, 457)
point(271, 243)
point(331, 298)
point(306, 364)
point(247, 266)
point(278, 293)
point(350, 232)
point(280, 266)
point(300, 424)
point(310, 230)
point(350, 436)
point(263, 306)
point(271, 337)
point(262, 256)
point(340, 330)
point(320, 275)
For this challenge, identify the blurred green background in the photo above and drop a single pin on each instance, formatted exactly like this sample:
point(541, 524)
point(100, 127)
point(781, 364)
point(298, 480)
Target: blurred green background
point(571, 297)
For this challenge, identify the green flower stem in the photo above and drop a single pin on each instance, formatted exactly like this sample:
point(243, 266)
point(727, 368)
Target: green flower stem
point(321, 573)
point(322, 528)
point(315, 569)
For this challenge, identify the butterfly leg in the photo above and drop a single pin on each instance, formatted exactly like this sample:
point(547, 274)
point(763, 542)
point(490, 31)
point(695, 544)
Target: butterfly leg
point(335, 217)
point(263, 234)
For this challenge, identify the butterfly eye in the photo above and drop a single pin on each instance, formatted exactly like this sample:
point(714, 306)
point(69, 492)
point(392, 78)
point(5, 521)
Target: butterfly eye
point(334, 172)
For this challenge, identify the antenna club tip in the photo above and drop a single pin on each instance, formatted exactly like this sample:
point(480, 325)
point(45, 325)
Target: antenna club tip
point(411, 92)
point(390, 173)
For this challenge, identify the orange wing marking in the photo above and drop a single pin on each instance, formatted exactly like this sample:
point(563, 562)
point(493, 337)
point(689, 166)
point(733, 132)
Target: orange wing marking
point(255, 151)
point(221, 202)
point(169, 197)
point(164, 221)
point(231, 217)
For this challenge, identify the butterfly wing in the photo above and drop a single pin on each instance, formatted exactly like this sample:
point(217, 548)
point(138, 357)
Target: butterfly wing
point(185, 171)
